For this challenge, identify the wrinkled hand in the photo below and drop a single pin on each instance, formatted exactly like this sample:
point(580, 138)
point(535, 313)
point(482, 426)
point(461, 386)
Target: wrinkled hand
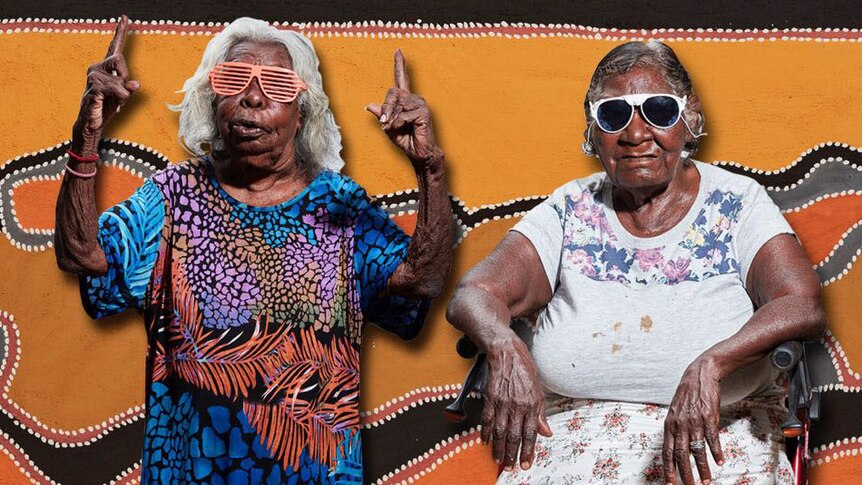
point(406, 120)
point(693, 416)
point(108, 89)
point(514, 409)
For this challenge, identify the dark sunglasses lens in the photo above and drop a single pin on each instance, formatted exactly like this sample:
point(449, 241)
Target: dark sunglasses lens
point(661, 111)
point(613, 115)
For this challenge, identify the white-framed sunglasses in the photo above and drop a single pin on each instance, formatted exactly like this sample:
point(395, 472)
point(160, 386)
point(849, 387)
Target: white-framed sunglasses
point(661, 110)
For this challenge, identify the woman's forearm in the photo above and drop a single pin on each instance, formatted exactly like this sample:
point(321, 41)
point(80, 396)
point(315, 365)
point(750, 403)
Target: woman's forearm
point(76, 243)
point(425, 268)
point(482, 317)
point(790, 317)
point(509, 283)
point(76, 227)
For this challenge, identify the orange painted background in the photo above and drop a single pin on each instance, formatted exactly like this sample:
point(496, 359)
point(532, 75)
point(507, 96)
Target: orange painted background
point(508, 112)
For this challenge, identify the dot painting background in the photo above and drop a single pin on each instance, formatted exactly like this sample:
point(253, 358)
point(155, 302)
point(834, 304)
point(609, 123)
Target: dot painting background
point(781, 105)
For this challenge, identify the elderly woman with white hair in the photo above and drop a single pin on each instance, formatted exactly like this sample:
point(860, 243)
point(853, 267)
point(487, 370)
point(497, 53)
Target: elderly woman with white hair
point(256, 264)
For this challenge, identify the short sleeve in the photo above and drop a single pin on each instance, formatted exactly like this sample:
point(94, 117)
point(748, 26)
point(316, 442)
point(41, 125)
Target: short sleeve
point(759, 221)
point(129, 233)
point(380, 248)
point(543, 226)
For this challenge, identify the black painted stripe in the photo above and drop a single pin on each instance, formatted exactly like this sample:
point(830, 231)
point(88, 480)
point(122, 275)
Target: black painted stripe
point(759, 14)
point(138, 152)
point(839, 418)
point(805, 163)
point(7, 176)
point(410, 434)
point(99, 462)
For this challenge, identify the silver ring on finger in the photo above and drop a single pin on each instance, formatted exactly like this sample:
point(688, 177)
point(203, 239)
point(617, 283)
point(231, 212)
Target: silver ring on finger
point(697, 445)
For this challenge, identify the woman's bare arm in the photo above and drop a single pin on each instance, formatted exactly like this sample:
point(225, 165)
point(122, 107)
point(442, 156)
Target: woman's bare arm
point(424, 271)
point(786, 292)
point(75, 236)
point(510, 282)
point(406, 120)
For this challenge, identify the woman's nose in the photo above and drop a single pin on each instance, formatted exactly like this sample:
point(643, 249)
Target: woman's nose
point(253, 96)
point(637, 131)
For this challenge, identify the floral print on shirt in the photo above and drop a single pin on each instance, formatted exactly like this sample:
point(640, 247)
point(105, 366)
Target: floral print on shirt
point(591, 247)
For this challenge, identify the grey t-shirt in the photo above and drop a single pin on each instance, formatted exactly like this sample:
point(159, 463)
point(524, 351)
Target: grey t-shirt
point(629, 314)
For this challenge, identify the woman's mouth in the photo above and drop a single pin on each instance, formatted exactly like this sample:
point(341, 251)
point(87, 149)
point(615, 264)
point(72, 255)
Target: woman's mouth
point(247, 129)
point(638, 159)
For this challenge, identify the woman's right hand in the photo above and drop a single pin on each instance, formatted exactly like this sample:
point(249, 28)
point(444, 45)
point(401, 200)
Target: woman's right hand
point(514, 410)
point(108, 89)
point(510, 282)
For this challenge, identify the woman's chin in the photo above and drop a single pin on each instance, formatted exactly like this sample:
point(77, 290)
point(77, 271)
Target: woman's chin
point(639, 180)
point(252, 145)
point(245, 148)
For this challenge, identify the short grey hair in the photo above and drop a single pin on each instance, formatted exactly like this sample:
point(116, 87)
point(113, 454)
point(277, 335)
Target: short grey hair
point(656, 55)
point(318, 141)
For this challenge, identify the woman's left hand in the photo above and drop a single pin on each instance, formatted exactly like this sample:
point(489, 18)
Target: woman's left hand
point(406, 120)
point(692, 424)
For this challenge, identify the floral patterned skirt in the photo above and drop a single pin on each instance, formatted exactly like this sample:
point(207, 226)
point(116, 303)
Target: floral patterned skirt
point(603, 442)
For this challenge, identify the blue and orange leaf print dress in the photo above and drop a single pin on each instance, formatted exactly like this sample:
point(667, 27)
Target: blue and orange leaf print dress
point(254, 318)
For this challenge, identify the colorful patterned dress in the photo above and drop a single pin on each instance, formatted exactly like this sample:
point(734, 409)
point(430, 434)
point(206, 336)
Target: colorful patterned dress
point(254, 318)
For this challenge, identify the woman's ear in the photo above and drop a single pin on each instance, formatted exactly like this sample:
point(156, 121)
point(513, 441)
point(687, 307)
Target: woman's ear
point(302, 101)
point(693, 116)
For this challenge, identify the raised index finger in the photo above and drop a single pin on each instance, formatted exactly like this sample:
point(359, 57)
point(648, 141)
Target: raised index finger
point(402, 80)
point(119, 39)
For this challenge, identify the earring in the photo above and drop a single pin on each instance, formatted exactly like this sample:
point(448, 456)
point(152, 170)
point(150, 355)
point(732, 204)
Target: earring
point(685, 154)
point(587, 145)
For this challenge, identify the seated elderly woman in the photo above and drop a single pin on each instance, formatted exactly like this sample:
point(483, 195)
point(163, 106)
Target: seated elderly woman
point(662, 283)
point(256, 264)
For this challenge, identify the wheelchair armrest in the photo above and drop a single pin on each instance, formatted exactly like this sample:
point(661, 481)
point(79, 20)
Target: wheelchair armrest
point(475, 381)
point(787, 355)
point(802, 401)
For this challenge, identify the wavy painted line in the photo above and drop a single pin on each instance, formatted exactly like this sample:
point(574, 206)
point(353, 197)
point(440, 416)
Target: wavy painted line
point(421, 465)
point(48, 164)
point(410, 399)
point(842, 257)
point(848, 379)
point(29, 469)
point(821, 198)
point(821, 369)
point(829, 151)
point(32, 472)
point(838, 422)
point(466, 219)
point(150, 158)
point(380, 29)
point(825, 181)
point(844, 240)
point(825, 167)
point(22, 461)
point(835, 451)
point(58, 438)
